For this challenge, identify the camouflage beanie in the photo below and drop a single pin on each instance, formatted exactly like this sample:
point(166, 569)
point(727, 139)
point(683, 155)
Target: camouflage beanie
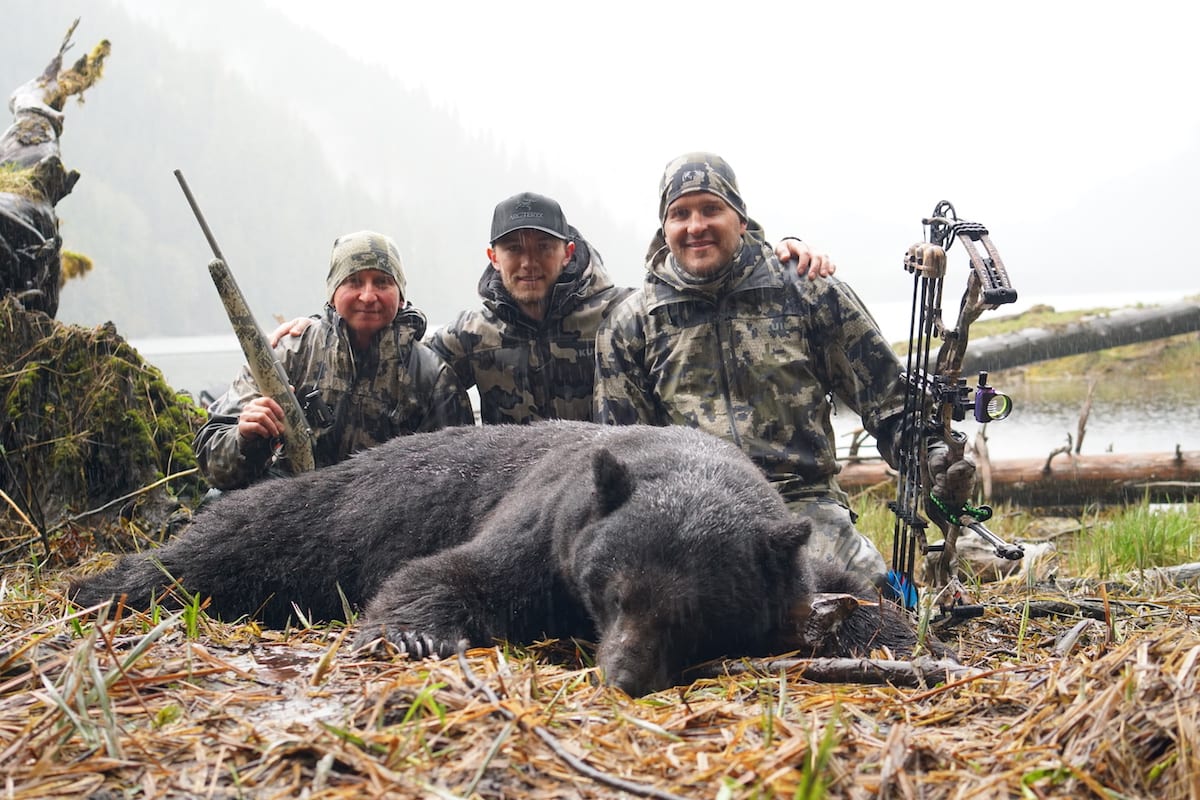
point(699, 172)
point(355, 252)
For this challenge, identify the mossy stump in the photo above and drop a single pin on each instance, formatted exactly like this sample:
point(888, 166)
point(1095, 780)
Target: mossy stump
point(95, 446)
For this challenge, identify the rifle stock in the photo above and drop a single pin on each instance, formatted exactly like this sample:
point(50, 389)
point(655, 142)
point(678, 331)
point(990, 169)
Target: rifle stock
point(267, 371)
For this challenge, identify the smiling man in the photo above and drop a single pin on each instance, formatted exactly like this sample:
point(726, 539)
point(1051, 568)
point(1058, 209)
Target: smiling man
point(360, 370)
point(531, 245)
point(531, 349)
point(704, 231)
point(725, 338)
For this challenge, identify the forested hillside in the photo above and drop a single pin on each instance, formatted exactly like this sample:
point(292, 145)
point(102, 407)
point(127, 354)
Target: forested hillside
point(286, 142)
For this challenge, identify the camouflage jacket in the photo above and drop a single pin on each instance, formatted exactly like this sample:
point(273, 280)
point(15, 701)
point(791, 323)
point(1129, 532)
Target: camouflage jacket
point(753, 358)
point(397, 387)
point(527, 369)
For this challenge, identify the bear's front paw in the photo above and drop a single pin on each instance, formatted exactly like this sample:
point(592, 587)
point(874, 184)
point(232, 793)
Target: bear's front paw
point(384, 640)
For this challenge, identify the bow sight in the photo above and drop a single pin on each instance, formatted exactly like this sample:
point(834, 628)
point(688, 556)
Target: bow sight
point(984, 402)
point(937, 396)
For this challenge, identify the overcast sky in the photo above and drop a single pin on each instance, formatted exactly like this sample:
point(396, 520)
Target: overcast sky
point(830, 112)
point(1070, 129)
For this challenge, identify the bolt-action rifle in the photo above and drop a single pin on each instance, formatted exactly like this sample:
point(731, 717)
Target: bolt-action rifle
point(267, 371)
point(934, 398)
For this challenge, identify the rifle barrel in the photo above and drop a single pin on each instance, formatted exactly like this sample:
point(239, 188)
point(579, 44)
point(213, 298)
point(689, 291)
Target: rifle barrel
point(208, 234)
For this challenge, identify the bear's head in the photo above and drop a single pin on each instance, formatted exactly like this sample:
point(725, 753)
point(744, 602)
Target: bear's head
point(682, 563)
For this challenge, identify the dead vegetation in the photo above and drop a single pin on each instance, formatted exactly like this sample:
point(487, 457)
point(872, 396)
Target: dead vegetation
point(181, 706)
point(1070, 690)
point(33, 179)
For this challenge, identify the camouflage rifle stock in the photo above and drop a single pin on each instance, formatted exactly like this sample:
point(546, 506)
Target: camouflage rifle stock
point(267, 371)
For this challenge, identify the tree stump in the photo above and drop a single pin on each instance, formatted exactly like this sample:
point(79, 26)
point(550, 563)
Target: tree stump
point(33, 178)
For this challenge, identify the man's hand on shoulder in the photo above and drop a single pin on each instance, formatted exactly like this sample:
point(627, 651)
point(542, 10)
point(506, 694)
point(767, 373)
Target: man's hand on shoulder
point(815, 265)
point(292, 328)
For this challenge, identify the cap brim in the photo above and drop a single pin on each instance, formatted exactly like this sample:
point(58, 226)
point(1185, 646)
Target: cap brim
point(553, 233)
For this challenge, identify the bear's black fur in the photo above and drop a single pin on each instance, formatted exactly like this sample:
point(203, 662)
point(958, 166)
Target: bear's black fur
point(664, 544)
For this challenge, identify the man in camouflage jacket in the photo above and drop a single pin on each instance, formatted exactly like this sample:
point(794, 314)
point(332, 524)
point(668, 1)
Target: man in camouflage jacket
point(724, 338)
point(360, 370)
point(531, 349)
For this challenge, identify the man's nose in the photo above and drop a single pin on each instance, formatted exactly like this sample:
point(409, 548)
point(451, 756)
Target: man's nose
point(527, 243)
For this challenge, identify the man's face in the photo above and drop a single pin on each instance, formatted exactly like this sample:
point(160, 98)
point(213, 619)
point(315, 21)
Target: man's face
point(703, 232)
point(368, 300)
point(529, 262)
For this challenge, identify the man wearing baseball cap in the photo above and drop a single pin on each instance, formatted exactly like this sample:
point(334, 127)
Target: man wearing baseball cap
point(360, 370)
point(531, 349)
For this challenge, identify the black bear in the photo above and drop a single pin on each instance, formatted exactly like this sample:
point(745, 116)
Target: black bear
point(665, 546)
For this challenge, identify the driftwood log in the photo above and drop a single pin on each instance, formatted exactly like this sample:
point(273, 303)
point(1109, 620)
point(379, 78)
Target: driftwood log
point(1113, 329)
point(1068, 480)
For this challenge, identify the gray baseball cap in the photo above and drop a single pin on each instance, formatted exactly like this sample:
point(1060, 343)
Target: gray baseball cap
point(529, 210)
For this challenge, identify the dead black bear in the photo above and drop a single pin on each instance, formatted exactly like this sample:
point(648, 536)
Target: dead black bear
point(665, 546)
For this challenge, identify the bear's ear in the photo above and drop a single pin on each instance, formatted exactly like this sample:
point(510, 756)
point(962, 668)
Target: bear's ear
point(614, 484)
point(790, 535)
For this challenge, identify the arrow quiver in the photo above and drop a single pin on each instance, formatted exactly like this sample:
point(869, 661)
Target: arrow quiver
point(936, 396)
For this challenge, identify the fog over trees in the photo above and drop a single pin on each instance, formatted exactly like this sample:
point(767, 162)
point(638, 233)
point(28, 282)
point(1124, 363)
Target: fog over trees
point(288, 141)
point(277, 181)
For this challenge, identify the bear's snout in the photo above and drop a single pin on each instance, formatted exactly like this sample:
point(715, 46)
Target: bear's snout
point(634, 657)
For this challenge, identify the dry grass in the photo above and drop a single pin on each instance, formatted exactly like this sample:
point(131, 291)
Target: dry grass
point(1060, 707)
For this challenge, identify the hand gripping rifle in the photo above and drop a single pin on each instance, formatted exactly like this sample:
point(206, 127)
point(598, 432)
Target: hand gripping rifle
point(267, 371)
point(934, 398)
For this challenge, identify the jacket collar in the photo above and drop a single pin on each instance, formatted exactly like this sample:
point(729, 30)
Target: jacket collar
point(754, 266)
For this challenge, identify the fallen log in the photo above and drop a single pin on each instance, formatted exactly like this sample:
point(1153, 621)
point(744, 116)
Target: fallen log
point(1153, 581)
point(1068, 480)
point(1113, 329)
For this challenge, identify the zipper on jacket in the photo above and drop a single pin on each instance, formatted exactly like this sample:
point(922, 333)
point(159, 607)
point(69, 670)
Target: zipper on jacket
point(723, 372)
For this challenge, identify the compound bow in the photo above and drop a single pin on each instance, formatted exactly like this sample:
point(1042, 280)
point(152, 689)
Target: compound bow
point(935, 398)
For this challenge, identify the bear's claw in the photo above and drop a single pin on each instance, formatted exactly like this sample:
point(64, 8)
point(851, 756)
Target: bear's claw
point(412, 643)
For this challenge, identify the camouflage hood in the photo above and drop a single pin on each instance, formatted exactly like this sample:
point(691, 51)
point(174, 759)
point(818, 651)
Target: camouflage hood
point(583, 277)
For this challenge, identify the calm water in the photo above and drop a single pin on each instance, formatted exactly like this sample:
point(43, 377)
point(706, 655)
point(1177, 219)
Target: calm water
point(1156, 422)
point(1123, 419)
